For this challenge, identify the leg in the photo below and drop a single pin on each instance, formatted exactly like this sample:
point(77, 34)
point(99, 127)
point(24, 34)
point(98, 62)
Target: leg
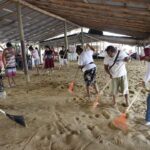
point(114, 100)
point(37, 62)
point(13, 76)
point(37, 68)
point(96, 88)
point(126, 99)
point(88, 91)
point(9, 82)
point(13, 81)
point(148, 109)
point(125, 89)
point(114, 89)
point(87, 83)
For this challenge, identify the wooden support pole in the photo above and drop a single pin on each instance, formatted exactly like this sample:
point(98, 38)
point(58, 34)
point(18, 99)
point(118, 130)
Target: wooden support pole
point(66, 38)
point(20, 25)
point(82, 37)
point(40, 47)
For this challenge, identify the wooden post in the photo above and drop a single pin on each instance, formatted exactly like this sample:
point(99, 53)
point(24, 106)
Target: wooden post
point(66, 39)
point(20, 25)
point(40, 53)
point(82, 37)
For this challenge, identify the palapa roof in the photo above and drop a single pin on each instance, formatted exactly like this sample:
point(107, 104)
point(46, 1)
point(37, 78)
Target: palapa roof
point(44, 19)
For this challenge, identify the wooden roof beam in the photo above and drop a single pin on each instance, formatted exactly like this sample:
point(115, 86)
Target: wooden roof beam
point(102, 13)
point(123, 21)
point(42, 11)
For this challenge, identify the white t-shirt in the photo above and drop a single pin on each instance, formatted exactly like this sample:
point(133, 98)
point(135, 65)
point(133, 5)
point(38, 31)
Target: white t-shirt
point(119, 68)
point(35, 54)
point(85, 59)
point(147, 74)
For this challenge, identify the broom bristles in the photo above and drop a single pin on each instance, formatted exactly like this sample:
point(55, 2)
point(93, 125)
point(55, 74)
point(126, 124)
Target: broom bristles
point(120, 122)
point(71, 87)
point(18, 119)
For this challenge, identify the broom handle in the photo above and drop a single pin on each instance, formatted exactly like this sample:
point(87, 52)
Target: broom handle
point(76, 74)
point(105, 86)
point(2, 112)
point(109, 81)
point(134, 99)
point(1, 47)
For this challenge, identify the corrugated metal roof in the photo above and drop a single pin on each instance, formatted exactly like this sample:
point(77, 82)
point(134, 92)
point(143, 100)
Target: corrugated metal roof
point(37, 26)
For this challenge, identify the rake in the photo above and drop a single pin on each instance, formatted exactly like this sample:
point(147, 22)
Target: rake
point(18, 119)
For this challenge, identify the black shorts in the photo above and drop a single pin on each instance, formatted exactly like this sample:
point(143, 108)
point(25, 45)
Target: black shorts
point(90, 76)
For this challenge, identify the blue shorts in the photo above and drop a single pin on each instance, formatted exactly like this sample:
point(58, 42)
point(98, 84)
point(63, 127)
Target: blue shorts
point(36, 62)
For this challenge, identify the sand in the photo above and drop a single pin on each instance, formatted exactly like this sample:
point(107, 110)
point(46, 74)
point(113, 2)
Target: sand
point(57, 120)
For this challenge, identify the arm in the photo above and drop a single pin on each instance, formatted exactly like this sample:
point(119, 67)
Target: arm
point(80, 67)
point(91, 47)
point(147, 58)
point(127, 59)
point(106, 67)
point(3, 58)
point(14, 52)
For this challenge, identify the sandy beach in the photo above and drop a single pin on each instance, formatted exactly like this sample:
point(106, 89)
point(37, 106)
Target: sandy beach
point(58, 120)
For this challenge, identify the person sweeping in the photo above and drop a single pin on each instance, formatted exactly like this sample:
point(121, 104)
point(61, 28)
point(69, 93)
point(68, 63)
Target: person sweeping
point(114, 65)
point(146, 86)
point(87, 65)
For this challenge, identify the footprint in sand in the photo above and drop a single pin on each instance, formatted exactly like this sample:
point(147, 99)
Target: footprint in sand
point(83, 116)
point(117, 140)
point(106, 114)
point(97, 115)
point(91, 117)
point(78, 119)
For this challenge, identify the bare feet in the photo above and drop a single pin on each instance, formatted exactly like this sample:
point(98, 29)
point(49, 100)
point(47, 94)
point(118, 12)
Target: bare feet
point(125, 104)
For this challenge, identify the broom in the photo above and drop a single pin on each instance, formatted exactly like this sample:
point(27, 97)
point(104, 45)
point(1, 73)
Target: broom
point(18, 119)
point(100, 93)
point(120, 121)
point(71, 85)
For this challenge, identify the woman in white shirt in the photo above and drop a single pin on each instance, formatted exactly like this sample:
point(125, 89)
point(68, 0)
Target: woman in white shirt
point(86, 63)
point(36, 57)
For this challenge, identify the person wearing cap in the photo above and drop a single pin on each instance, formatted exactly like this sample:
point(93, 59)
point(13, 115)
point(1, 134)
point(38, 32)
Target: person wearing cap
point(86, 63)
point(10, 63)
point(115, 66)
